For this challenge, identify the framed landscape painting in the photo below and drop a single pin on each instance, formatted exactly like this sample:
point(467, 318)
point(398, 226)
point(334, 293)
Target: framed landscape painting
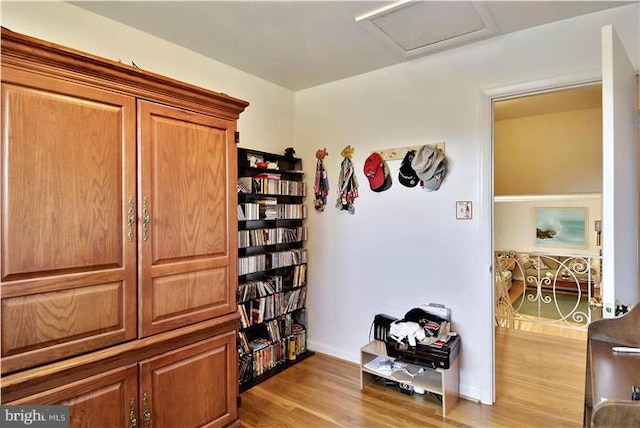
point(561, 227)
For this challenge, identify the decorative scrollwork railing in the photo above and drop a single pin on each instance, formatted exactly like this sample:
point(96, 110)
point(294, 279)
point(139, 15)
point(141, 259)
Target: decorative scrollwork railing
point(547, 288)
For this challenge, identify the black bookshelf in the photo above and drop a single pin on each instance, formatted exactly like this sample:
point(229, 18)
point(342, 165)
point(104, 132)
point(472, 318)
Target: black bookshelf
point(272, 264)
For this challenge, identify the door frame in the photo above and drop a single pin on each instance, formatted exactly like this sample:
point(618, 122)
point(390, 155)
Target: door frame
point(485, 209)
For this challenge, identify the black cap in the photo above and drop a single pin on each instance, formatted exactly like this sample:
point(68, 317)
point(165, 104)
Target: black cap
point(407, 175)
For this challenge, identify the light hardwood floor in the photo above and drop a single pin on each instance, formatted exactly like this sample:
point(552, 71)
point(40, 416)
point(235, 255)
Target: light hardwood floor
point(539, 383)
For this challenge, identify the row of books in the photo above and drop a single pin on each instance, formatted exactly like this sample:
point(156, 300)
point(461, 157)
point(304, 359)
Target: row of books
point(292, 211)
point(260, 262)
point(299, 275)
point(272, 186)
point(250, 264)
point(259, 310)
point(259, 288)
point(288, 258)
point(266, 355)
point(294, 277)
point(264, 210)
point(280, 235)
point(276, 330)
point(245, 368)
point(282, 326)
point(266, 358)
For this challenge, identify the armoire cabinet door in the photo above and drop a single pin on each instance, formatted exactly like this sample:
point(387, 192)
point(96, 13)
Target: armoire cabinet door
point(187, 210)
point(105, 400)
point(193, 386)
point(68, 251)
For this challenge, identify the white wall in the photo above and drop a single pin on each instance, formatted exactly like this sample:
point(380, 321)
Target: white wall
point(266, 124)
point(549, 153)
point(404, 247)
point(514, 220)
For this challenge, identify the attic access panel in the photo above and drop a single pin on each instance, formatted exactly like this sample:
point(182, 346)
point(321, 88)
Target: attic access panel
point(417, 28)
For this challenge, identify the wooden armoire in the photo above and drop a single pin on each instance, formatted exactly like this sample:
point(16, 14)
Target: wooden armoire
point(119, 241)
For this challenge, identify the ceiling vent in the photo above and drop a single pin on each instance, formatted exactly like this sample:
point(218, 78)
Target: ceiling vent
point(418, 27)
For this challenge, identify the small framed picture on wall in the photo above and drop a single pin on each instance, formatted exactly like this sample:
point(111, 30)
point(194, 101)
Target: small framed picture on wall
point(464, 210)
point(561, 227)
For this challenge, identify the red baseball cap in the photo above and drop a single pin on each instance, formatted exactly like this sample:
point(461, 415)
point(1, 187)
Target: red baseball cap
point(374, 170)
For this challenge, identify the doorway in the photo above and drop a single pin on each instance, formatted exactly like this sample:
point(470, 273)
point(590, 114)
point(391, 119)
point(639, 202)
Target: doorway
point(487, 255)
point(547, 169)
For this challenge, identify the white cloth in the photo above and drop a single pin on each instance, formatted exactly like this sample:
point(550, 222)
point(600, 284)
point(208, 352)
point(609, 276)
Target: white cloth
point(411, 330)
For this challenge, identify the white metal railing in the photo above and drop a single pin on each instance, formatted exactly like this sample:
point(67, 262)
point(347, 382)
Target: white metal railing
point(548, 289)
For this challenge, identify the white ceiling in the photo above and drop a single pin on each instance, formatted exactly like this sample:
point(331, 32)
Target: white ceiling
point(301, 44)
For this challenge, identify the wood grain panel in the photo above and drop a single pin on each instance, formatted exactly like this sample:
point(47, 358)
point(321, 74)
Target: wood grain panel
point(68, 180)
point(209, 402)
point(98, 401)
point(63, 202)
point(186, 179)
point(40, 320)
point(179, 294)
point(188, 171)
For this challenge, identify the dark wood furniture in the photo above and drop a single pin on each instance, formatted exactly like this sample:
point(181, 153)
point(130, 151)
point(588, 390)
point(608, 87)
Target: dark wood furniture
point(118, 248)
point(611, 375)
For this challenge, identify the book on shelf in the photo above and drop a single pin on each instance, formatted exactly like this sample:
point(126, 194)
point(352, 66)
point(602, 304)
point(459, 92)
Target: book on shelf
point(244, 316)
point(245, 368)
point(241, 215)
point(251, 264)
point(258, 343)
point(242, 188)
point(243, 342)
point(269, 185)
point(259, 288)
point(271, 175)
point(299, 275)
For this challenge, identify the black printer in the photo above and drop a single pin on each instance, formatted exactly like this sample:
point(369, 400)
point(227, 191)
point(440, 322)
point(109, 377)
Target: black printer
point(434, 356)
point(424, 355)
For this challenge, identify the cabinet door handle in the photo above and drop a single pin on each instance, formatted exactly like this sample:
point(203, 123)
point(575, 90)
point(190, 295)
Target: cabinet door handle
point(146, 218)
point(131, 220)
point(146, 414)
point(133, 422)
